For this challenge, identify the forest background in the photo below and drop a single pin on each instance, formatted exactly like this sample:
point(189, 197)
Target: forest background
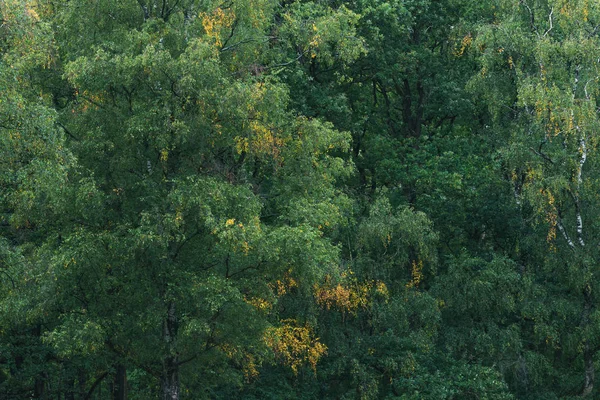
point(293, 199)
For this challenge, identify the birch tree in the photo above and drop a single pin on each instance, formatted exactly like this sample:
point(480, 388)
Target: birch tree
point(543, 56)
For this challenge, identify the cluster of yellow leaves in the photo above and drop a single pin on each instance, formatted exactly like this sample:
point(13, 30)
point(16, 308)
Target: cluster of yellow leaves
point(237, 235)
point(557, 119)
point(586, 10)
point(256, 13)
point(541, 108)
point(575, 9)
point(564, 10)
point(262, 142)
point(284, 285)
point(417, 274)
point(214, 23)
point(262, 139)
point(532, 175)
point(259, 303)
point(164, 155)
point(247, 360)
point(314, 41)
point(409, 365)
point(551, 215)
point(324, 224)
point(465, 43)
point(295, 345)
point(345, 298)
point(382, 289)
point(249, 367)
point(348, 297)
point(553, 127)
point(29, 8)
point(483, 71)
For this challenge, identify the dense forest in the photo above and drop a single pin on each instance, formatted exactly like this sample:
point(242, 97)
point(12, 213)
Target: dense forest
point(293, 199)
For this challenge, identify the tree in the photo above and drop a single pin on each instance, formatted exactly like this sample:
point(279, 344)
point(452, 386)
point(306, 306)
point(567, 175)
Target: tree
point(540, 57)
point(187, 202)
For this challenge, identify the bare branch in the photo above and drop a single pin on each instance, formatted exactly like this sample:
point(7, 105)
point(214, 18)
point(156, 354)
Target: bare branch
point(542, 155)
point(587, 96)
point(562, 230)
point(95, 103)
point(233, 26)
point(531, 17)
point(550, 19)
point(68, 132)
point(593, 31)
point(575, 83)
point(582, 159)
point(285, 64)
point(187, 360)
point(144, 10)
point(97, 382)
point(580, 229)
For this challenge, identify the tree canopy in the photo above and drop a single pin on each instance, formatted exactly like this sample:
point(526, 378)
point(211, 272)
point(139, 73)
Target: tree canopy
point(259, 199)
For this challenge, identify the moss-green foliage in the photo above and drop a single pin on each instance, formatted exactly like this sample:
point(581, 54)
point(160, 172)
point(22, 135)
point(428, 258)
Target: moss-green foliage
point(298, 199)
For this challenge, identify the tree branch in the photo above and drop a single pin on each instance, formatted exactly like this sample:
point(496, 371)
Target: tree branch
point(550, 19)
point(582, 160)
point(9, 277)
point(562, 230)
point(98, 380)
point(542, 155)
point(531, 17)
point(144, 10)
point(68, 132)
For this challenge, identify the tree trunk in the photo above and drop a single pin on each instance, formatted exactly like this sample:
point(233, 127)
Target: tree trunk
point(40, 379)
point(38, 391)
point(97, 384)
point(70, 389)
point(170, 378)
point(120, 383)
point(588, 354)
point(588, 360)
point(82, 380)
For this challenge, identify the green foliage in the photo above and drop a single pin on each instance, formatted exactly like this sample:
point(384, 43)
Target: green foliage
point(300, 199)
